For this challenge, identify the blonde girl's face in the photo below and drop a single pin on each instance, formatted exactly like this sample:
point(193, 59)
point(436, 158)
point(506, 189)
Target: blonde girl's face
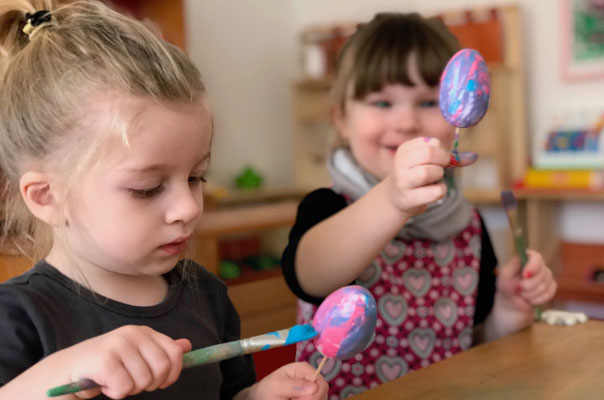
point(135, 212)
point(377, 125)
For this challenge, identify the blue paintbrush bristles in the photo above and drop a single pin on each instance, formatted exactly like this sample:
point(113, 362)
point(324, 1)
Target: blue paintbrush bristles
point(299, 333)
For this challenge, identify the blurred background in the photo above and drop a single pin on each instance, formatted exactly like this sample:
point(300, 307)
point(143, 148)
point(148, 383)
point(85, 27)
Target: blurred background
point(267, 65)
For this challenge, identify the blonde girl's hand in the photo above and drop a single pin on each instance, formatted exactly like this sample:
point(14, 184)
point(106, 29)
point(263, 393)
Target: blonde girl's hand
point(534, 286)
point(292, 381)
point(416, 179)
point(127, 361)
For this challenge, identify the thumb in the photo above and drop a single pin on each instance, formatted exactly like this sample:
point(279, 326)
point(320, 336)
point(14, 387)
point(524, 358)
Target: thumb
point(294, 387)
point(511, 269)
point(463, 159)
point(185, 345)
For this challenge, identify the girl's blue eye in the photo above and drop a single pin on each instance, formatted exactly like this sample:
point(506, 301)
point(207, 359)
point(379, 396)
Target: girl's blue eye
point(381, 104)
point(146, 193)
point(428, 103)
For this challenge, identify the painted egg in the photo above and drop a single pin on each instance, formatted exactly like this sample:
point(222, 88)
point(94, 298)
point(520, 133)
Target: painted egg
point(465, 89)
point(346, 322)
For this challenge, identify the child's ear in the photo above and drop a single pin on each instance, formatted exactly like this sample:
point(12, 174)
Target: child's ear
point(37, 192)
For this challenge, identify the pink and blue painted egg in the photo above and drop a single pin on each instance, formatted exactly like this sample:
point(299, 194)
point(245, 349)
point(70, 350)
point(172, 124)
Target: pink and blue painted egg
point(346, 322)
point(465, 89)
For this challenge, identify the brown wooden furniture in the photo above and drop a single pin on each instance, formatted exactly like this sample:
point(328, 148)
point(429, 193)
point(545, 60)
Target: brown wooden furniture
point(265, 303)
point(539, 211)
point(543, 362)
point(13, 265)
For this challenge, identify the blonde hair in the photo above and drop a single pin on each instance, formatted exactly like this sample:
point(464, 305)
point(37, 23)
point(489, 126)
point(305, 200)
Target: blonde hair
point(378, 54)
point(46, 80)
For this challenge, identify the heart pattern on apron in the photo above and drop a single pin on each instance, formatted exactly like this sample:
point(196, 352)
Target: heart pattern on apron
point(390, 368)
point(422, 341)
point(417, 281)
point(393, 308)
point(445, 311)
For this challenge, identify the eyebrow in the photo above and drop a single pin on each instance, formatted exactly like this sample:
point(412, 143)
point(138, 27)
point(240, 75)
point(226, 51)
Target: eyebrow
point(160, 167)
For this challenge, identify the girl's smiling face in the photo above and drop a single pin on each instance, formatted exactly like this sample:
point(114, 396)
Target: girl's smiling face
point(375, 126)
point(134, 212)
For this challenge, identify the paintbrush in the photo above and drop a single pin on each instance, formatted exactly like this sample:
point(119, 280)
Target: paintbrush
point(218, 352)
point(509, 205)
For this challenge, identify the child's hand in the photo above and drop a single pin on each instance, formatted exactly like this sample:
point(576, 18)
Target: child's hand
point(292, 381)
point(127, 361)
point(416, 179)
point(536, 286)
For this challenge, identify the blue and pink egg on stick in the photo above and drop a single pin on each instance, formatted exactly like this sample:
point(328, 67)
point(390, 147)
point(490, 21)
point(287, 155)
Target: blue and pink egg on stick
point(465, 90)
point(346, 322)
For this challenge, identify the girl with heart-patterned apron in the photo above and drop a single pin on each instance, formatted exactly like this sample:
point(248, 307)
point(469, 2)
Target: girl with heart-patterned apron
point(395, 219)
point(426, 295)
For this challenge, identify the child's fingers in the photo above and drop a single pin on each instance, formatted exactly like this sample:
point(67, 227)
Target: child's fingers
point(293, 388)
point(424, 195)
point(137, 368)
point(420, 152)
point(534, 264)
point(159, 363)
point(88, 394)
point(509, 270)
point(174, 350)
point(539, 297)
point(424, 175)
point(118, 384)
point(184, 344)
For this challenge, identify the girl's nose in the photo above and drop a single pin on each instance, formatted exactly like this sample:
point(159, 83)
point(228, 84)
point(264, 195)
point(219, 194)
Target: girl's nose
point(406, 119)
point(185, 206)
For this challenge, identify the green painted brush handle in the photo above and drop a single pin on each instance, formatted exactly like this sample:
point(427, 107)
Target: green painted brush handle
point(520, 247)
point(218, 352)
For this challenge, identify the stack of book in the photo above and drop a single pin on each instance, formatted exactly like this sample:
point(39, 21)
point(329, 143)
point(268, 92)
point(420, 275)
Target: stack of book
point(583, 179)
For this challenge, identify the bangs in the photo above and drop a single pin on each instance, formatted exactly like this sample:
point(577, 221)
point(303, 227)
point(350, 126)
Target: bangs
point(383, 57)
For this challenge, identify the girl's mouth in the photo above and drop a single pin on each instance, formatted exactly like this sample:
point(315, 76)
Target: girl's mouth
point(175, 247)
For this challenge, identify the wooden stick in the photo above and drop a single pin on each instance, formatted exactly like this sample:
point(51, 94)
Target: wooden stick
point(456, 141)
point(323, 361)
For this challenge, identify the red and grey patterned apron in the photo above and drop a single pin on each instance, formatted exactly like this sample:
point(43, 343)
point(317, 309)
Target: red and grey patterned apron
point(426, 297)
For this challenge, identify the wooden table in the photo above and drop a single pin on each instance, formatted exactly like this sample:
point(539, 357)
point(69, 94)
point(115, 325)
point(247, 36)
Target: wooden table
point(543, 362)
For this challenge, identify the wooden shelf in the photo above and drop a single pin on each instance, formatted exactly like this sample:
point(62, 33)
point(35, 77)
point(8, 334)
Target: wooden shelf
point(480, 197)
point(559, 195)
point(248, 218)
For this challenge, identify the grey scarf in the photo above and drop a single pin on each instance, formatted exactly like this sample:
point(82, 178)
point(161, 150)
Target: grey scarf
point(441, 220)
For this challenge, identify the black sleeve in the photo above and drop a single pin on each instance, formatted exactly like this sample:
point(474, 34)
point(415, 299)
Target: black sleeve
point(487, 278)
point(314, 208)
point(20, 345)
point(239, 372)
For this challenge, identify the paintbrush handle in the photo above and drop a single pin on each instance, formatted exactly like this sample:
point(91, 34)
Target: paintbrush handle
point(215, 353)
point(224, 351)
point(520, 244)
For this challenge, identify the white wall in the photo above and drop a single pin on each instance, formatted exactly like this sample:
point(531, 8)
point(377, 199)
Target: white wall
point(246, 53)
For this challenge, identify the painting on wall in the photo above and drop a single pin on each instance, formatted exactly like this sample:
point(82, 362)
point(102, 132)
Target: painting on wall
point(583, 39)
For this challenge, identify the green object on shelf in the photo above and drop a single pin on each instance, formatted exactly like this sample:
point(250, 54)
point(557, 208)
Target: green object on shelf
point(228, 270)
point(248, 179)
point(262, 262)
